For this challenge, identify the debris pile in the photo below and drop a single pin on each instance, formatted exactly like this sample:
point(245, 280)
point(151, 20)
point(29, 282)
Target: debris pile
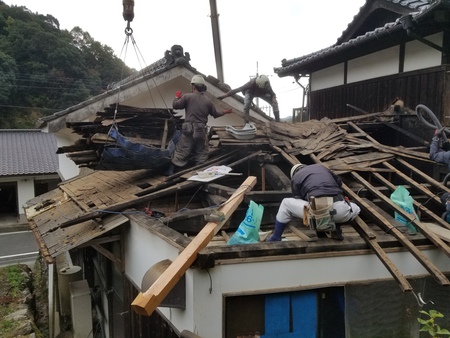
point(149, 127)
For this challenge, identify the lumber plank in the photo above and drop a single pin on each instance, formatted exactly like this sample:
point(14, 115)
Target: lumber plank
point(383, 222)
point(410, 217)
point(443, 233)
point(145, 303)
point(362, 228)
point(301, 234)
point(426, 177)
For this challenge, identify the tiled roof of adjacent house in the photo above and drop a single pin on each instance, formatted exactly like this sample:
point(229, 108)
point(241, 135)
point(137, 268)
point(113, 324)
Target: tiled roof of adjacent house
point(417, 7)
point(25, 152)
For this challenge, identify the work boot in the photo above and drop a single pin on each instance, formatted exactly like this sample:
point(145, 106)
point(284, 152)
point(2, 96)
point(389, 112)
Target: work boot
point(279, 228)
point(321, 234)
point(337, 234)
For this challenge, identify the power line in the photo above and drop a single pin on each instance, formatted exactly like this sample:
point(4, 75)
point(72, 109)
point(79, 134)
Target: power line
point(8, 106)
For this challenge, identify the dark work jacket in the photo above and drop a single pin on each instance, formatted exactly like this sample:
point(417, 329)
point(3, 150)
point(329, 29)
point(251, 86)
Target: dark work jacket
point(253, 88)
point(315, 180)
point(197, 107)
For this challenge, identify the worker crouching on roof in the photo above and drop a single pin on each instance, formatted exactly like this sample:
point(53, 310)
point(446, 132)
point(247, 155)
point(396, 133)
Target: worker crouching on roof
point(193, 141)
point(257, 87)
point(437, 153)
point(318, 198)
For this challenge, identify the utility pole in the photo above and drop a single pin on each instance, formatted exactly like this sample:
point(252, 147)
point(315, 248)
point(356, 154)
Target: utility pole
point(216, 39)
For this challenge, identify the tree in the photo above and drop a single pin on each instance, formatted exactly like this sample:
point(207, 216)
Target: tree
point(45, 69)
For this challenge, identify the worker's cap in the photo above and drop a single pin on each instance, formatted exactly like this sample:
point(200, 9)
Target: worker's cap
point(296, 167)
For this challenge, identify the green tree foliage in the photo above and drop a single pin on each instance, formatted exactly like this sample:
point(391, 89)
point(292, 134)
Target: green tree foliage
point(44, 69)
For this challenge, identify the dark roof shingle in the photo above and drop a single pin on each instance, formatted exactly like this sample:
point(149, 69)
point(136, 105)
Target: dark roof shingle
point(27, 151)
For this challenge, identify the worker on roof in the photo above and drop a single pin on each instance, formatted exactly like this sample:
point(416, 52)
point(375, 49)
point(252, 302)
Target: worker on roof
point(318, 200)
point(256, 87)
point(193, 142)
point(437, 153)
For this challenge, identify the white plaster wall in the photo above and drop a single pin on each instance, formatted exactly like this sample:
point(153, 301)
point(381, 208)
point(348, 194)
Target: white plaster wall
point(162, 97)
point(144, 249)
point(281, 276)
point(374, 65)
point(67, 168)
point(419, 55)
point(328, 77)
point(204, 308)
point(25, 192)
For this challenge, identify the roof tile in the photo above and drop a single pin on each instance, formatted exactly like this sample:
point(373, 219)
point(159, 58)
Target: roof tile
point(27, 151)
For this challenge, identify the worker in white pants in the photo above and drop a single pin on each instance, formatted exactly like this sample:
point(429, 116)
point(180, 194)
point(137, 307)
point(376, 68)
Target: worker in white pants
point(308, 182)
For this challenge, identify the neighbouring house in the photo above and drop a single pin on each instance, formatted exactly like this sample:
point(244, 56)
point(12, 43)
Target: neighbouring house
point(29, 167)
point(152, 87)
point(391, 50)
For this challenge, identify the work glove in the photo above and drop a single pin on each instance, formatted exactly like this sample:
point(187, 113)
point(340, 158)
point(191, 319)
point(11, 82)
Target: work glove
point(438, 132)
point(178, 94)
point(220, 97)
point(228, 111)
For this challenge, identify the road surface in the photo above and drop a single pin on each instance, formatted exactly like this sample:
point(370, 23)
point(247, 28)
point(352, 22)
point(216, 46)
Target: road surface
point(18, 247)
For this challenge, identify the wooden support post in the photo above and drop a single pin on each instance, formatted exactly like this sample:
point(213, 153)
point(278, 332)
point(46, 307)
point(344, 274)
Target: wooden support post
point(145, 303)
point(164, 137)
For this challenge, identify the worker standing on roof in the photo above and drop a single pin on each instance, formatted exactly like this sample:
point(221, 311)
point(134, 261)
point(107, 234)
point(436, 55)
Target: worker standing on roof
point(257, 87)
point(318, 200)
point(436, 152)
point(193, 141)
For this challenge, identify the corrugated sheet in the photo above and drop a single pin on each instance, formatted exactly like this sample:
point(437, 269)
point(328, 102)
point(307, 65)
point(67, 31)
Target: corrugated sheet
point(25, 152)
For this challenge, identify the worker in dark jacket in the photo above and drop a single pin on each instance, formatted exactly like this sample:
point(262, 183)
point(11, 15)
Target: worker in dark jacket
point(257, 87)
point(309, 183)
point(436, 152)
point(193, 141)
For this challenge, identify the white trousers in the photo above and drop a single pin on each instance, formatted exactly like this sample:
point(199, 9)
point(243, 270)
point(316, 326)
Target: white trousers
point(293, 207)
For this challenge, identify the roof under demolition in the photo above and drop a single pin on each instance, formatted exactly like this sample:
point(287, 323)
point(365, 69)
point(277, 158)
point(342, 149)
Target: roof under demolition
point(83, 210)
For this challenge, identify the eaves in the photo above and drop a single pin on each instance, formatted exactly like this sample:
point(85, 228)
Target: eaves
point(427, 22)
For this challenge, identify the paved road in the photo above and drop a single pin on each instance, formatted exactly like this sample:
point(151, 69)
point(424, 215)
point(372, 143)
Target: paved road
point(17, 247)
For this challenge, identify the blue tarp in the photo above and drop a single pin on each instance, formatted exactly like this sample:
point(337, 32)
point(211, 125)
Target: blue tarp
point(127, 155)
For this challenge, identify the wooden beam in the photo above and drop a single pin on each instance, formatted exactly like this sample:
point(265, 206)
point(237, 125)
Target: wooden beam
point(418, 205)
point(383, 222)
point(425, 261)
point(108, 255)
point(425, 177)
point(301, 234)
point(145, 303)
point(361, 227)
point(407, 133)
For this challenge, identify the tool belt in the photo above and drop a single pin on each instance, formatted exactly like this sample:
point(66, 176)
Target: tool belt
point(196, 129)
point(318, 213)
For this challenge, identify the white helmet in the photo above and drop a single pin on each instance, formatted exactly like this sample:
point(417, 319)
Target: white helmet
point(261, 81)
point(198, 80)
point(296, 167)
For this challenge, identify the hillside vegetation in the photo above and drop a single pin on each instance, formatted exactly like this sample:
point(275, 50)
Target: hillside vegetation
point(44, 69)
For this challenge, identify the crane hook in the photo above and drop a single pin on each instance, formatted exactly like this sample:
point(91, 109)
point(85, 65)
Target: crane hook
point(128, 13)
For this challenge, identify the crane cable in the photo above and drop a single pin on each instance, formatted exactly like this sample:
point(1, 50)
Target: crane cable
point(128, 15)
